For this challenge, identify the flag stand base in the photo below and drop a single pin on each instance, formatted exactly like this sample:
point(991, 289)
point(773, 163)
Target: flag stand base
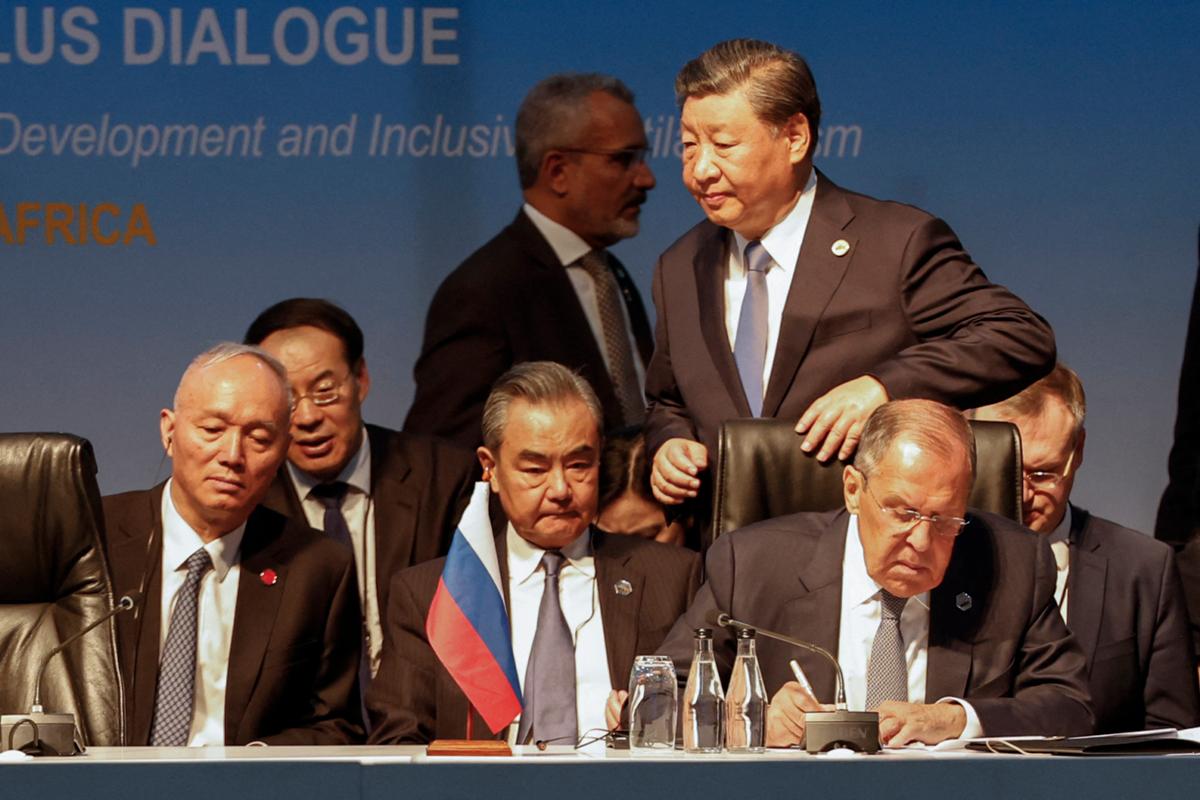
point(468, 747)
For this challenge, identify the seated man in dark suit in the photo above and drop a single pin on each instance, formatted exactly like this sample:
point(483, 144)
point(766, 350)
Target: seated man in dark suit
point(396, 496)
point(546, 287)
point(247, 629)
point(942, 620)
point(617, 595)
point(1118, 590)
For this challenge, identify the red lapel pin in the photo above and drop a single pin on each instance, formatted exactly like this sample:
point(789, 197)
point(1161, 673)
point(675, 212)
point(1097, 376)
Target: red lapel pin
point(268, 577)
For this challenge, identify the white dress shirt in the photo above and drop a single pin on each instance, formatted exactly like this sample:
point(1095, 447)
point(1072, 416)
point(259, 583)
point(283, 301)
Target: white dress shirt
point(580, 602)
point(359, 512)
point(569, 248)
point(216, 609)
point(782, 244)
point(1061, 548)
point(860, 621)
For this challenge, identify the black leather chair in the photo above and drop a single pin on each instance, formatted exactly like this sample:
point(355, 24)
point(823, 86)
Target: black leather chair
point(763, 473)
point(54, 582)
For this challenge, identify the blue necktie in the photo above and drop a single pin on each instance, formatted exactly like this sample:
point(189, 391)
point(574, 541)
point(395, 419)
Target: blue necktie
point(176, 694)
point(750, 345)
point(549, 711)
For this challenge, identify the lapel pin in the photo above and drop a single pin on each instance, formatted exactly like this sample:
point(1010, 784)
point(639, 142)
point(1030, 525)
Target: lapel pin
point(840, 247)
point(268, 577)
point(963, 601)
point(623, 587)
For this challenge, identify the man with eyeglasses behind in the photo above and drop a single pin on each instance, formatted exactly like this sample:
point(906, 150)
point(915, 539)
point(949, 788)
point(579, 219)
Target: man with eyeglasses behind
point(393, 498)
point(942, 619)
point(1118, 590)
point(546, 287)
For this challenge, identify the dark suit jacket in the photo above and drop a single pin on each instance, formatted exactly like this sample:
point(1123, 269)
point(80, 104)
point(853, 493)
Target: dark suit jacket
point(419, 488)
point(1008, 653)
point(905, 305)
point(509, 302)
point(1125, 606)
point(293, 659)
point(414, 699)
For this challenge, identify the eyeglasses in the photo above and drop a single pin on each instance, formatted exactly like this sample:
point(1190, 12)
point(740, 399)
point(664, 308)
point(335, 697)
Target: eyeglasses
point(1045, 481)
point(625, 157)
point(905, 519)
point(326, 394)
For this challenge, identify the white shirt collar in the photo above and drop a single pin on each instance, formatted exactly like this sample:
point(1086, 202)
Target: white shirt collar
point(356, 473)
point(1062, 532)
point(180, 541)
point(783, 241)
point(567, 245)
point(858, 586)
point(524, 558)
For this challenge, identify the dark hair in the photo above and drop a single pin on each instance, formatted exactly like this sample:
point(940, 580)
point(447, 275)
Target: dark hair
point(300, 311)
point(777, 82)
point(556, 114)
point(624, 466)
point(538, 383)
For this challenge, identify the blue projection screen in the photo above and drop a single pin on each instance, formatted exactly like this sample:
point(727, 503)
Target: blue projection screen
point(167, 170)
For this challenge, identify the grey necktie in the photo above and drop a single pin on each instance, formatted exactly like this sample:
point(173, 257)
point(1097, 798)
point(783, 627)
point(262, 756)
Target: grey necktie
point(331, 496)
point(616, 337)
point(887, 671)
point(750, 344)
point(549, 711)
point(176, 694)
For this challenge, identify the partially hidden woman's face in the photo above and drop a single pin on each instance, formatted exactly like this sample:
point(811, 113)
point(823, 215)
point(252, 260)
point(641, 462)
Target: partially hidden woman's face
point(633, 515)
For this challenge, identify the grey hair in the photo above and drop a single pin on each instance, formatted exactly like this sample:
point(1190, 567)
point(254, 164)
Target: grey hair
point(932, 425)
point(224, 351)
point(1062, 382)
point(777, 82)
point(538, 383)
point(555, 114)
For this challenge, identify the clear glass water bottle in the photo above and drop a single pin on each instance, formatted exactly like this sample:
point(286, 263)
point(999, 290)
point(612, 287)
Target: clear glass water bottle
point(704, 700)
point(746, 702)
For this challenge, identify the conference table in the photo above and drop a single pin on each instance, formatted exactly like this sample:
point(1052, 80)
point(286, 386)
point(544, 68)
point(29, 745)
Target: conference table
point(329, 773)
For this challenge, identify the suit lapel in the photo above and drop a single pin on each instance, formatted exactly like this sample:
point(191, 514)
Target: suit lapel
point(138, 549)
point(711, 267)
point(1085, 585)
point(390, 495)
point(258, 601)
point(813, 614)
point(549, 282)
point(956, 609)
point(818, 273)
point(618, 610)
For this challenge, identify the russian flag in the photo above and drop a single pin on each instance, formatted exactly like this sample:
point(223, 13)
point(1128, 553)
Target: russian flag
point(467, 624)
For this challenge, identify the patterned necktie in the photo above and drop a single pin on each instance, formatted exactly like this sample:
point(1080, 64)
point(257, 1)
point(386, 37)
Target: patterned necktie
point(550, 675)
point(616, 337)
point(750, 344)
point(176, 694)
point(887, 671)
point(331, 496)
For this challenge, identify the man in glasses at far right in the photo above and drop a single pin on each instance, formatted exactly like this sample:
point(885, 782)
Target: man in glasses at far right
point(1117, 589)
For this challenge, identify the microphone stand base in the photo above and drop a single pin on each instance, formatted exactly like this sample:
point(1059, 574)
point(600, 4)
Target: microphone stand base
point(855, 730)
point(39, 734)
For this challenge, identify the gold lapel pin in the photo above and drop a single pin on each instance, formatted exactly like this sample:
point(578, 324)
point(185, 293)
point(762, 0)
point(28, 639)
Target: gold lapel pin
point(840, 248)
point(623, 587)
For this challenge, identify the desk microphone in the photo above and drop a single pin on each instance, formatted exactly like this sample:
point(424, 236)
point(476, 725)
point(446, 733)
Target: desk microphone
point(54, 733)
point(824, 730)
